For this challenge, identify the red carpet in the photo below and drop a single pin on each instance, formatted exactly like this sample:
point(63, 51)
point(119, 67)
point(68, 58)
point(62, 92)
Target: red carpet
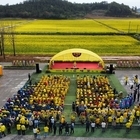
point(79, 65)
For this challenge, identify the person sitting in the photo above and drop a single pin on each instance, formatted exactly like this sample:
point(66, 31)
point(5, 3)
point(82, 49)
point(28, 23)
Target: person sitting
point(74, 65)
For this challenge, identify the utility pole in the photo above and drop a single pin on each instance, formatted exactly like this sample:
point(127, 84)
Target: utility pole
point(11, 34)
point(2, 43)
point(0, 46)
point(129, 26)
point(137, 30)
point(13, 40)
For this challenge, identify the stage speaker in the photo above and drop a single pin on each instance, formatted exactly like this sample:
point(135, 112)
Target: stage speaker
point(37, 68)
point(111, 69)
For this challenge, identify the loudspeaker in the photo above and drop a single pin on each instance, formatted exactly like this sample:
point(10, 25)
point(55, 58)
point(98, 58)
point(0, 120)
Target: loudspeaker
point(37, 68)
point(111, 69)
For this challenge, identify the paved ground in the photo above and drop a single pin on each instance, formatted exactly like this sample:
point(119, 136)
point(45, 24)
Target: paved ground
point(12, 80)
point(14, 137)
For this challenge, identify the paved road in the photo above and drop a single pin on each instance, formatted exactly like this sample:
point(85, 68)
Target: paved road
point(12, 80)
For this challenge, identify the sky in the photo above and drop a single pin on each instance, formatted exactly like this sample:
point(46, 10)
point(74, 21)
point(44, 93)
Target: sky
point(131, 3)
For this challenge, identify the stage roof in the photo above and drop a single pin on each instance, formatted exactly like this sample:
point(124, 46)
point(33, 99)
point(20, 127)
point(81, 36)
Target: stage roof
point(77, 54)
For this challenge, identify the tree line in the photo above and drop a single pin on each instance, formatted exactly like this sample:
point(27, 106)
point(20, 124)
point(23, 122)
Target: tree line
point(62, 9)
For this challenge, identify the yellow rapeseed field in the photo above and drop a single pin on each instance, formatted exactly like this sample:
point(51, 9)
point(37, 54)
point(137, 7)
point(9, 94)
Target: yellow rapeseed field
point(97, 35)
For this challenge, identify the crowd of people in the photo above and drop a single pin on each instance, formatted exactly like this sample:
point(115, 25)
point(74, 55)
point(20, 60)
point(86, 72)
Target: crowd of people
point(97, 105)
point(97, 102)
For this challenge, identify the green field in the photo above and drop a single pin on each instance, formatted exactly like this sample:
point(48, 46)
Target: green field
point(102, 36)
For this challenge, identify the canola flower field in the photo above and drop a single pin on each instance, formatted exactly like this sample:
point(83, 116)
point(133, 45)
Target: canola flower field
point(102, 36)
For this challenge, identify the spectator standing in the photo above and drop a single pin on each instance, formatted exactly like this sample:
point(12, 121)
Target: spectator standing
point(97, 121)
point(35, 132)
point(137, 115)
point(18, 129)
point(46, 131)
point(38, 134)
point(103, 125)
point(3, 129)
point(23, 129)
point(8, 126)
point(60, 128)
point(54, 129)
point(73, 106)
point(128, 126)
point(138, 97)
point(29, 76)
point(36, 122)
point(0, 132)
point(114, 123)
point(67, 129)
point(72, 128)
point(30, 124)
point(121, 120)
point(87, 125)
point(52, 121)
point(92, 126)
point(50, 126)
point(126, 80)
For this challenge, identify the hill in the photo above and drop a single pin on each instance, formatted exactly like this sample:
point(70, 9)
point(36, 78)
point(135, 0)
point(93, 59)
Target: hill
point(61, 9)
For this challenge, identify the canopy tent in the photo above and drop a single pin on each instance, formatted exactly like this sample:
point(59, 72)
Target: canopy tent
point(77, 55)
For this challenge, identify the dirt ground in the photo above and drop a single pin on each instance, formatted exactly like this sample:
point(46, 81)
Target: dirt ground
point(44, 58)
point(36, 58)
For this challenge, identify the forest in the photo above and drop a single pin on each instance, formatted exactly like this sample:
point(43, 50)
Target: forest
point(62, 9)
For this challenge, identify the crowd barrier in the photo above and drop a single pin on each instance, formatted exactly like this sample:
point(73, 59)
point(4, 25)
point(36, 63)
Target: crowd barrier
point(23, 63)
point(128, 64)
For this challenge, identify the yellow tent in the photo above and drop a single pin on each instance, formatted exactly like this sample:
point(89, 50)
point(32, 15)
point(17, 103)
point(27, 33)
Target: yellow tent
point(77, 55)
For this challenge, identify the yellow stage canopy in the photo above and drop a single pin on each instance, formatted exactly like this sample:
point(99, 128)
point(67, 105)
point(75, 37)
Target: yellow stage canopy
point(77, 55)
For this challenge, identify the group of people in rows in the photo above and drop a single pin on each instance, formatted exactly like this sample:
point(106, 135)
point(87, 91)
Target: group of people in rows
point(35, 103)
point(97, 104)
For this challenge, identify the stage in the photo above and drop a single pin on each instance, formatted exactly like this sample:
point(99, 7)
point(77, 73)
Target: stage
point(76, 67)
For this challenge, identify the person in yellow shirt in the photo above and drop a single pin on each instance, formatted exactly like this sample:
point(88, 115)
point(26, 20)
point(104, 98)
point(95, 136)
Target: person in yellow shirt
point(117, 122)
point(18, 129)
point(110, 119)
point(0, 132)
point(97, 121)
point(46, 130)
point(126, 80)
point(128, 126)
point(121, 120)
point(23, 129)
point(3, 128)
point(137, 115)
point(38, 134)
